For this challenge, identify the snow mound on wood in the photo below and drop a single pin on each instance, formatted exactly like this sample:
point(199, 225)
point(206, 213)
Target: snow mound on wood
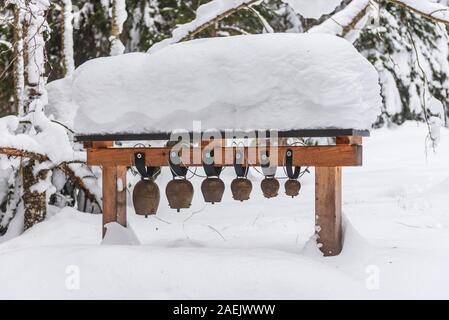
point(271, 81)
point(119, 235)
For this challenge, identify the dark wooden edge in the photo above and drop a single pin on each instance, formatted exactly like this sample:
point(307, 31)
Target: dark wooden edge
point(301, 133)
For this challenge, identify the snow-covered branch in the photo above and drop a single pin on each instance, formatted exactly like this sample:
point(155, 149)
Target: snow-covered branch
point(207, 15)
point(346, 20)
point(432, 10)
point(64, 167)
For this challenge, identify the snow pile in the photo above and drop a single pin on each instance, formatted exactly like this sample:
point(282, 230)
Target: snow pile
point(396, 230)
point(117, 234)
point(220, 8)
point(272, 81)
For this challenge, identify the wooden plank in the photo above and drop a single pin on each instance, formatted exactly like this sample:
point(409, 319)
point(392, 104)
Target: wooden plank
point(109, 195)
point(328, 219)
point(121, 195)
point(299, 133)
point(349, 140)
point(325, 156)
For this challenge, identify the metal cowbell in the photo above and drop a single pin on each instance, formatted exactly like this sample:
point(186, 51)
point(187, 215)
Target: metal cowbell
point(270, 187)
point(212, 189)
point(146, 197)
point(241, 188)
point(179, 194)
point(292, 187)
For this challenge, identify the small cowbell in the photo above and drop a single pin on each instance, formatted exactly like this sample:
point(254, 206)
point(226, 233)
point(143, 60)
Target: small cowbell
point(292, 187)
point(270, 187)
point(212, 189)
point(241, 188)
point(179, 194)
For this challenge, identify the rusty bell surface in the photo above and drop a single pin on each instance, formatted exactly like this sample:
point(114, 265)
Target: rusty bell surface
point(241, 188)
point(270, 187)
point(179, 194)
point(212, 190)
point(292, 187)
point(146, 197)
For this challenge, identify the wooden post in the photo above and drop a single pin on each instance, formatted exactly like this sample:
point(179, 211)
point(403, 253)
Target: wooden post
point(114, 195)
point(328, 219)
point(109, 196)
point(121, 195)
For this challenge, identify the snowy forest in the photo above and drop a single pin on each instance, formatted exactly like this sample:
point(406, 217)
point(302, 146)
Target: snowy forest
point(43, 169)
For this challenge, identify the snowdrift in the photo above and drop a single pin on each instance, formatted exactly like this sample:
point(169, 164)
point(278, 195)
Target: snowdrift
point(270, 81)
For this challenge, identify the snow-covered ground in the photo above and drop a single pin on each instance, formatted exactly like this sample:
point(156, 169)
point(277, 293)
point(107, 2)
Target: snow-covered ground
point(396, 240)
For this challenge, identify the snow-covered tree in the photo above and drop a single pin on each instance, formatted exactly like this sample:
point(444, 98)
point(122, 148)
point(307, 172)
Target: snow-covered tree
point(35, 150)
point(67, 38)
point(118, 16)
point(411, 55)
point(406, 40)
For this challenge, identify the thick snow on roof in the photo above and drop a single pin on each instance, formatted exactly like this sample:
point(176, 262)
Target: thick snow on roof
point(269, 81)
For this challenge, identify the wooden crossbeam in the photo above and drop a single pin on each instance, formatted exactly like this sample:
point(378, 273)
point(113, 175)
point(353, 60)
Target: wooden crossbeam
point(324, 156)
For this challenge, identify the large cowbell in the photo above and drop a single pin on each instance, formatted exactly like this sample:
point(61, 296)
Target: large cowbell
point(146, 195)
point(212, 187)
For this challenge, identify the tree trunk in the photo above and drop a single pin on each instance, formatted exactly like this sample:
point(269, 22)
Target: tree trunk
point(34, 202)
point(67, 38)
point(118, 14)
point(19, 81)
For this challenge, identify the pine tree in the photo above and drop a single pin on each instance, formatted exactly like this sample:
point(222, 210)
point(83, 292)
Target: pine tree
point(411, 55)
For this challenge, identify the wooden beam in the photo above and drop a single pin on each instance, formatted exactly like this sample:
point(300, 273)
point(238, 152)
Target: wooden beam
point(352, 140)
point(325, 156)
point(98, 144)
point(328, 219)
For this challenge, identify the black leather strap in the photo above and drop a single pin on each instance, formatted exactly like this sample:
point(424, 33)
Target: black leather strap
point(240, 170)
point(267, 169)
point(291, 173)
point(209, 167)
point(144, 170)
point(178, 170)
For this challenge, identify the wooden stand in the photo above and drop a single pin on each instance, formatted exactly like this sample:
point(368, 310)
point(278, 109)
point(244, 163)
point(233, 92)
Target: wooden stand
point(327, 160)
point(328, 210)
